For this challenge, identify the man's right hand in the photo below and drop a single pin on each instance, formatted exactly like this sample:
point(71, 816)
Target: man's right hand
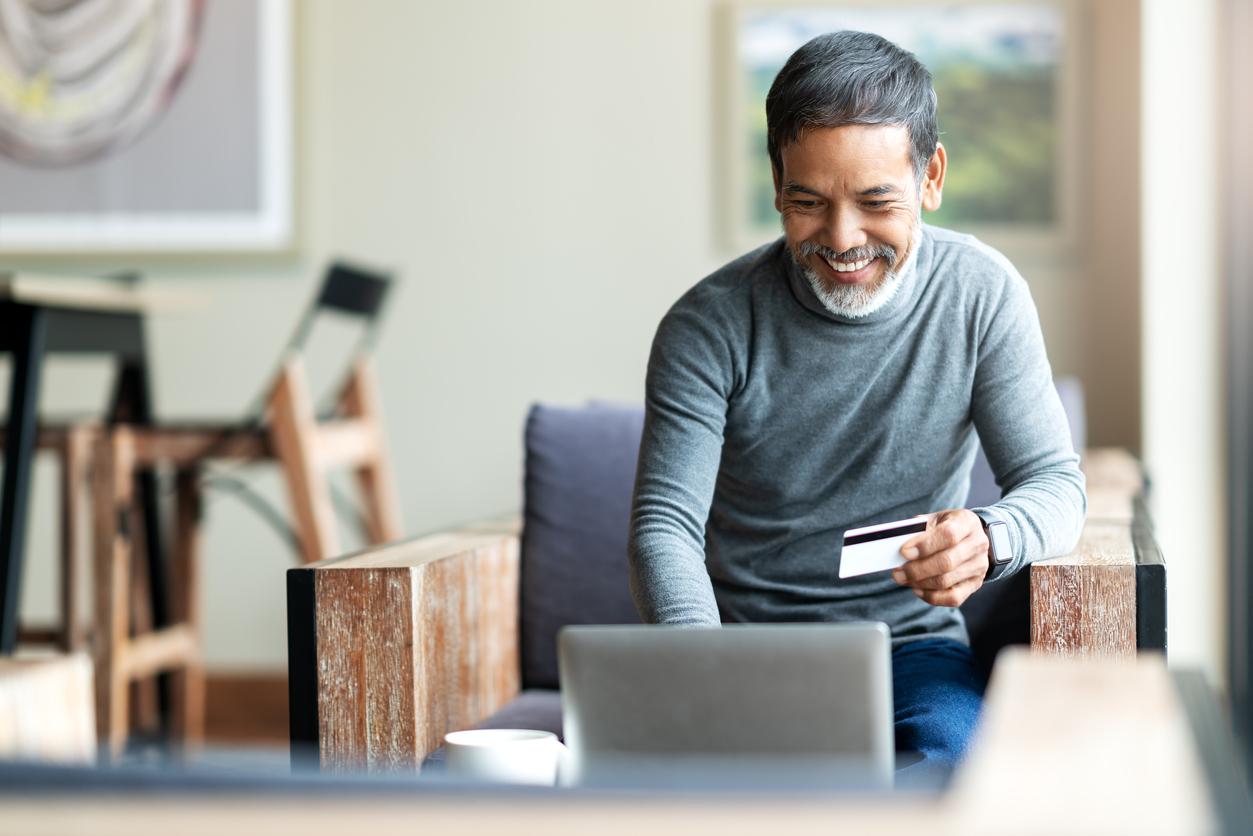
point(947, 563)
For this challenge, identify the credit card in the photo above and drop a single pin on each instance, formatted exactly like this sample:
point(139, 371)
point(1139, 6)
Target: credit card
point(877, 548)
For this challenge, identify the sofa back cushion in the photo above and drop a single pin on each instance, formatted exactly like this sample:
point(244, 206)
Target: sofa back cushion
point(580, 472)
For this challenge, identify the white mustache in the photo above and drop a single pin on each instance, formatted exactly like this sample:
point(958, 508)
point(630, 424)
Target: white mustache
point(808, 248)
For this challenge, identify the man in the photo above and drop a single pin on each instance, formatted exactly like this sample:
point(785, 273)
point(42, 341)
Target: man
point(836, 378)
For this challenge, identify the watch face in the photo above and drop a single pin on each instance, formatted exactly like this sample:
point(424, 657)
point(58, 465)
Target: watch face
point(998, 542)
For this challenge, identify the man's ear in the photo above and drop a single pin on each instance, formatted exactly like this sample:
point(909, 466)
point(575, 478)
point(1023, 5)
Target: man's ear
point(933, 179)
point(778, 195)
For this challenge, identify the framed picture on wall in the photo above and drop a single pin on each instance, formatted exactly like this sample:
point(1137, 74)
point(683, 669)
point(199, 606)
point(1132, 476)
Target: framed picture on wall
point(1005, 77)
point(131, 126)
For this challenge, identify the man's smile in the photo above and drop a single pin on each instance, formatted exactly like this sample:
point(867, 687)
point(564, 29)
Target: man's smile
point(849, 272)
point(857, 269)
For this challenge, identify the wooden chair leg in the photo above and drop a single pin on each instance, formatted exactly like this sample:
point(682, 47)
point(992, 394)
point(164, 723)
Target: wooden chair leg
point(188, 681)
point(377, 484)
point(293, 429)
point(75, 459)
point(113, 489)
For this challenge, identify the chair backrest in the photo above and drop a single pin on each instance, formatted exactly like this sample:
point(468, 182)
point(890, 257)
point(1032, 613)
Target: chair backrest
point(346, 290)
point(580, 472)
point(350, 291)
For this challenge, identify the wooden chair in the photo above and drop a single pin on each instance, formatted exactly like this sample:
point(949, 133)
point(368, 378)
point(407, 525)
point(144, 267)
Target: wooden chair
point(307, 448)
point(73, 445)
point(122, 657)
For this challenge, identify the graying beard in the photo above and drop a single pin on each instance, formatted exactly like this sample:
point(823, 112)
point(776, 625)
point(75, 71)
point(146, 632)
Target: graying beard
point(851, 302)
point(857, 302)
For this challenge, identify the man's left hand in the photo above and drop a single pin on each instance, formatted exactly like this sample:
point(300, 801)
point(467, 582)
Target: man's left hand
point(946, 563)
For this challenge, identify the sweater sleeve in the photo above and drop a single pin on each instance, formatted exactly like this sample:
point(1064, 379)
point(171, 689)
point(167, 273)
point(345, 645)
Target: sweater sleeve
point(687, 389)
point(1021, 422)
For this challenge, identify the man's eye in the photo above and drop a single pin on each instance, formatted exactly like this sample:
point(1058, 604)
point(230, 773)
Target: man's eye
point(874, 204)
point(805, 204)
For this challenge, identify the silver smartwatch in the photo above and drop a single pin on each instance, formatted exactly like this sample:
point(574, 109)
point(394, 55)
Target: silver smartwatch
point(999, 551)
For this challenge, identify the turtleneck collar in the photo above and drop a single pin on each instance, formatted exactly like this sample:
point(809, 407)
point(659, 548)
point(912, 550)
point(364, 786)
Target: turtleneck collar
point(916, 273)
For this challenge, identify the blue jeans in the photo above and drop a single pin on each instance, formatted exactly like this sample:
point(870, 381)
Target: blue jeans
point(937, 688)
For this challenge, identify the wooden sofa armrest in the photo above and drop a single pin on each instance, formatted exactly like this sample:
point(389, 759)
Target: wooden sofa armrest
point(391, 647)
point(1108, 596)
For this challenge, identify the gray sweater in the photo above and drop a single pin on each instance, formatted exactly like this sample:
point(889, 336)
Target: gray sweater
point(772, 425)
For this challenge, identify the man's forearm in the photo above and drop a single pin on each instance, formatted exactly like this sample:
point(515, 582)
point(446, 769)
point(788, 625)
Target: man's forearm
point(669, 583)
point(684, 415)
point(1023, 427)
point(1044, 513)
point(665, 550)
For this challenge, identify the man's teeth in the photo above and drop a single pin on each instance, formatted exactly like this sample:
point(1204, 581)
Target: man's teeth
point(848, 267)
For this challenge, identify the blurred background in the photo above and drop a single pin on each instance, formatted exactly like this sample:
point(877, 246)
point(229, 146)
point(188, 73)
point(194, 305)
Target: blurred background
point(546, 177)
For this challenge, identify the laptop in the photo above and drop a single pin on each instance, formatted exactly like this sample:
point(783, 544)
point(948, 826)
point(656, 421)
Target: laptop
point(761, 705)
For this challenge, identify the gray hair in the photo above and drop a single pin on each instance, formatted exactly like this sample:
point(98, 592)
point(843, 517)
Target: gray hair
point(852, 78)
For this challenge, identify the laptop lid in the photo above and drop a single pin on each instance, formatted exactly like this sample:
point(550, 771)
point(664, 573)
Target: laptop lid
point(795, 704)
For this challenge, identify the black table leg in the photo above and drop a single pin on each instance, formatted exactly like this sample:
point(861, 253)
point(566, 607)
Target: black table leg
point(27, 336)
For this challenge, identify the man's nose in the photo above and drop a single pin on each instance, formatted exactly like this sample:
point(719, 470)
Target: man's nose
point(844, 229)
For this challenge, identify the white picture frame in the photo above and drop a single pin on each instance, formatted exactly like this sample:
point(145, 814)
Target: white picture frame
point(265, 226)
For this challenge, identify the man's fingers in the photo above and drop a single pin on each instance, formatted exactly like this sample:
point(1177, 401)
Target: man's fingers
point(943, 535)
point(950, 555)
point(953, 597)
point(972, 567)
point(943, 570)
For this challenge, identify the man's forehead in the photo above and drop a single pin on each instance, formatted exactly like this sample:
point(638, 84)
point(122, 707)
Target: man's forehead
point(889, 189)
point(870, 154)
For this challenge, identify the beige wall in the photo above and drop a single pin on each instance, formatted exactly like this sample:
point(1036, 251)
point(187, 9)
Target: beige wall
point(1182, 345)
point(541, 176)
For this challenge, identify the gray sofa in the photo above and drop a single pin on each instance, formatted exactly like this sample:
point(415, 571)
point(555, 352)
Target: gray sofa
point(580, 470)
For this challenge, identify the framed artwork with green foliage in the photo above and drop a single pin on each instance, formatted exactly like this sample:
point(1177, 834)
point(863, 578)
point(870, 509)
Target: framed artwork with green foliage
point(1005, 80)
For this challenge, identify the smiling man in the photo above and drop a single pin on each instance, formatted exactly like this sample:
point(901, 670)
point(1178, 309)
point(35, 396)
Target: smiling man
point(836, 378)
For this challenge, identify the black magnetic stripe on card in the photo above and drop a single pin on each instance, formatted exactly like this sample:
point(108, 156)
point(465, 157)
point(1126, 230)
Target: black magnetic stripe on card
point(871, 536)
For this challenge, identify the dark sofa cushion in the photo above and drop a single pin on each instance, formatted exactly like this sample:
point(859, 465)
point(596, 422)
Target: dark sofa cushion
point(580, 472)
point(538, 709)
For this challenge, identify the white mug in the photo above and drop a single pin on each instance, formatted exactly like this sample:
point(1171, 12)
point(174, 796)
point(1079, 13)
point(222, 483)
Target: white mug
point(504, 756)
